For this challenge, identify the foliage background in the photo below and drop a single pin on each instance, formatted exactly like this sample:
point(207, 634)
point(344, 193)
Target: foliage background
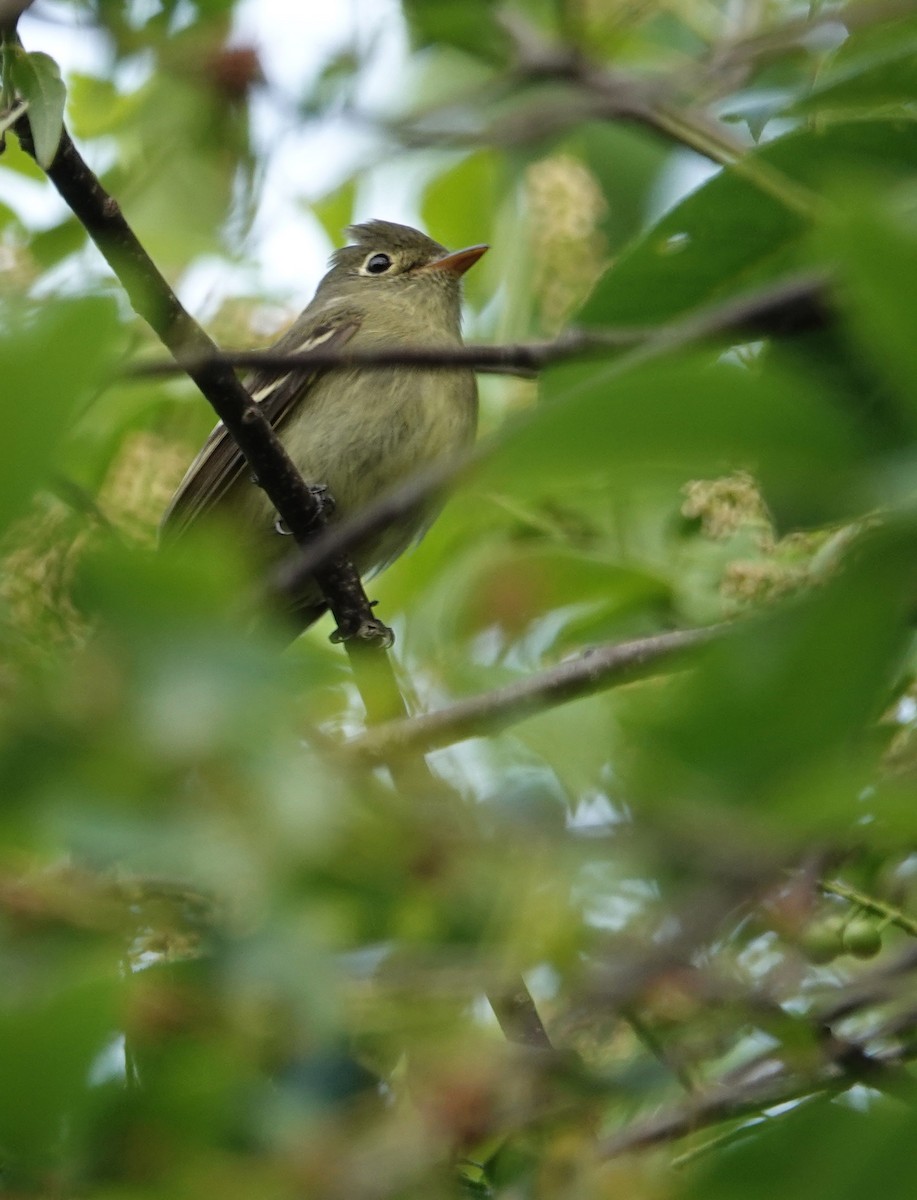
point(237, 960)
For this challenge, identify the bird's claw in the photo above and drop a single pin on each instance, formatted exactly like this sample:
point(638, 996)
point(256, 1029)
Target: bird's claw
point(372, 631)
point(321, 494)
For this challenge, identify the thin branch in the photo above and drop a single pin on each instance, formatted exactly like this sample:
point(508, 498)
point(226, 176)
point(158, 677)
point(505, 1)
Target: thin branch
point(593, 92)
point(525, 358)
point(890, 914)
point(767, 1082)
point(11, 11)
point(596, 93)
point(596, 669)
point(730, 62)
point(720, 1105)
point(797, 304)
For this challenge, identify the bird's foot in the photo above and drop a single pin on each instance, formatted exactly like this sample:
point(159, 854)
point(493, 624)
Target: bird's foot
point(372, 632)
point(321, 494)
point(324, 502)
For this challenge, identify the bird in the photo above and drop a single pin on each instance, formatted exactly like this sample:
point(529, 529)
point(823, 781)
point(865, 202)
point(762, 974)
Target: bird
point(352, 433)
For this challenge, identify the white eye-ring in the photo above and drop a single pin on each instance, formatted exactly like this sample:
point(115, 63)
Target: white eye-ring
point(377, 264)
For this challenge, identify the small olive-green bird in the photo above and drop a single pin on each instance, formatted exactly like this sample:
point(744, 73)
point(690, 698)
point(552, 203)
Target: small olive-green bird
point(355, 432)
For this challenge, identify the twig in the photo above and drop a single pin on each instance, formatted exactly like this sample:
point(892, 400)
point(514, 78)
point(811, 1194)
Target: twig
point(595, 92)
point(723, 1104)
point(598, 668)
point(730, 61)
point(848, 1064)
point(888, 913)
point(767, 1082)
point(796, 304)
point(526, 358)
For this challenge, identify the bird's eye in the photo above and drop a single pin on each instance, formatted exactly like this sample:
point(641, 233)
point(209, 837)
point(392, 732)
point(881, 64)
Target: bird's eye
point(377, 264)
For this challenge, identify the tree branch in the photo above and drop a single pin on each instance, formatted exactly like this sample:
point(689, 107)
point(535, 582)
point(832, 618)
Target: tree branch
point(797, 304)
point(488, 713)
point(766, 1081)
point(742, 1100)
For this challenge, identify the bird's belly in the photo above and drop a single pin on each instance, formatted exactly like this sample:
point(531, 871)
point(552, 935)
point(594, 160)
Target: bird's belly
point(398, 425)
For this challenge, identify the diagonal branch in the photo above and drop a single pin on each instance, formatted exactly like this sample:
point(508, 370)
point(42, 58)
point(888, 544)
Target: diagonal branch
point(768, 1081)
point(748, 1099)
point(596, 669)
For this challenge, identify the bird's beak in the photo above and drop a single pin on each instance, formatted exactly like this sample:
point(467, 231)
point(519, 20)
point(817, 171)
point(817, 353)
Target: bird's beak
point(456, 263)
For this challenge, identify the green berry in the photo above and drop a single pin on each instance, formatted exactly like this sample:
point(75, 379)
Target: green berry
point(822, 941)
point(862, 939)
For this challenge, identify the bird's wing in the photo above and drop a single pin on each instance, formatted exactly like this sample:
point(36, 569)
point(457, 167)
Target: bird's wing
point(220, 462)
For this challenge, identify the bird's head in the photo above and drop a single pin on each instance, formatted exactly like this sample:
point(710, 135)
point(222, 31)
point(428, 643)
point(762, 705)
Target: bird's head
point(395, 259)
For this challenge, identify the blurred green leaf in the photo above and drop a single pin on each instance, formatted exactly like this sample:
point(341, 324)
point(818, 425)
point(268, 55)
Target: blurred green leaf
point(457, 199)
point(817, 1149)
point(675, 419)
point(875, 248)
point(202, 577)
point(459, 206)
point(796, 691)
point(52, 1029)
point(335, 211)
point(51, 245)
point(96, 106)
point(627, 164)
point(874, 67)
point(511, 585)
point(468, 26)
point(50, 365)
point(732, 234)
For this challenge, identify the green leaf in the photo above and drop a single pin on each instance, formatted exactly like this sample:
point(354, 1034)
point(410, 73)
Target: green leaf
point(625, 162)
point(97, 107)
point(875, 67)
point(731, 235)
point(459, 206)
point(51, 245)
point(819, 1149)
point(469, 26)
point(674, 420)
point(48, 1041)
point(876, 257)
point(37, 77)
point(335, 211)
point(512, 585)
point(779, 715)
point(458, 203)
point(49, 367)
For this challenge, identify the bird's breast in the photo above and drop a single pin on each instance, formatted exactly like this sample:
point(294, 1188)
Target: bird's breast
point(371, 431)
